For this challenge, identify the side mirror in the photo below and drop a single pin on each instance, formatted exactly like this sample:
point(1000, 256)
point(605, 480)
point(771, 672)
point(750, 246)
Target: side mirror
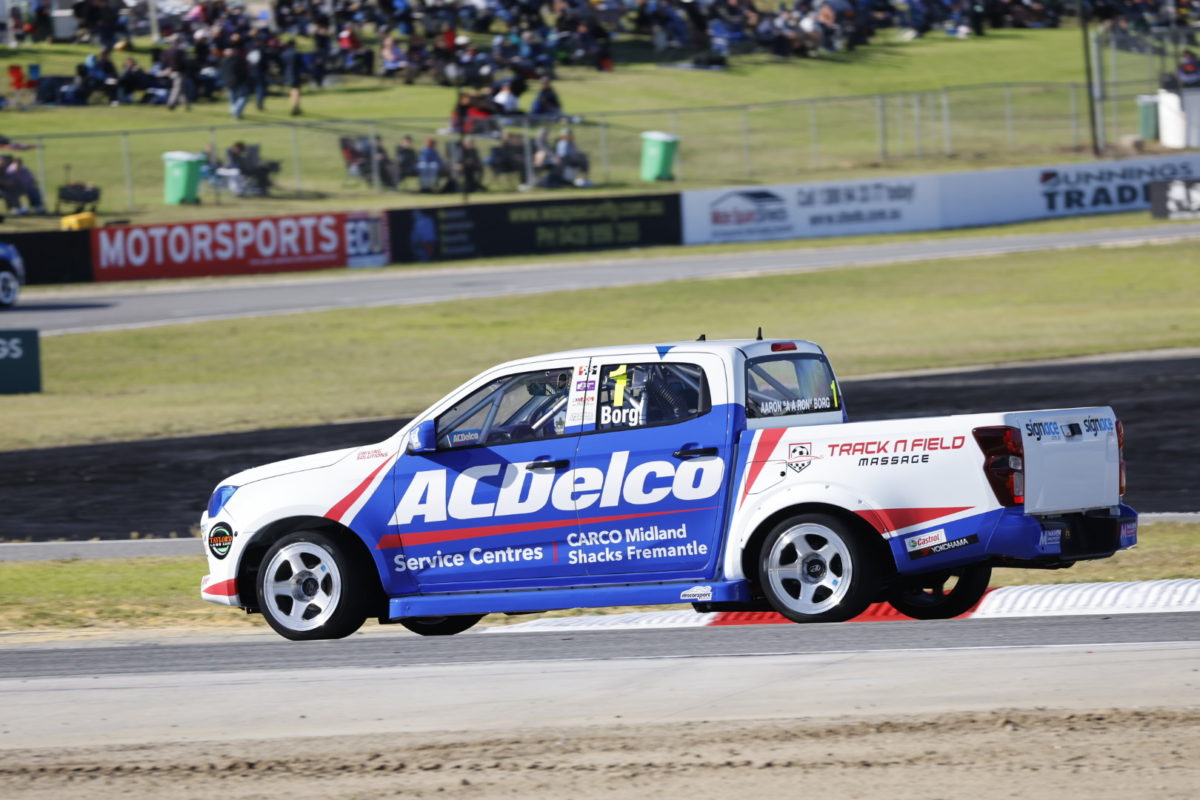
point(423, 438)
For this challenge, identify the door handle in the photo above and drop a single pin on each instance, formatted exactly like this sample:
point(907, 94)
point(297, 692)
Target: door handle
point(561, 463)
point(695, 452)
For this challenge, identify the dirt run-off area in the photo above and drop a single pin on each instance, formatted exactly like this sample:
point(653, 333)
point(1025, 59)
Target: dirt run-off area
point(1119, 754)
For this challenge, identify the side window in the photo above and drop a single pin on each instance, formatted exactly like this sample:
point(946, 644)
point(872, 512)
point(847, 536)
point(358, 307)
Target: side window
point(515, 408)
point(642, 395)
point(779, 386)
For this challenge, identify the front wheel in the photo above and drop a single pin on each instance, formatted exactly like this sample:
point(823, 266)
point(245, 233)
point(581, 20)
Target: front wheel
point(10, 288)
point(817, 568)
point(310, 588)
point(941, 595)
point(440, 626)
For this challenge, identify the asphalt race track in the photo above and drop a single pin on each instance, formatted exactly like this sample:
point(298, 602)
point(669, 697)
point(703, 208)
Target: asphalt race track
point(157, 488)
point(155, 691)
point(110, 308)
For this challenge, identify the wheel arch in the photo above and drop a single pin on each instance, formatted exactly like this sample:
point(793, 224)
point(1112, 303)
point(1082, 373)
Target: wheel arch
point(753, 543)
point(264, 537)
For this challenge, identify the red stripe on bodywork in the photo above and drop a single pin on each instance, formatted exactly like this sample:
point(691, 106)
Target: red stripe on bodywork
point(886, 520)
point(766, 445)
point(433, 537)
point(343, 505)
point(876, 612)
point(223, 589)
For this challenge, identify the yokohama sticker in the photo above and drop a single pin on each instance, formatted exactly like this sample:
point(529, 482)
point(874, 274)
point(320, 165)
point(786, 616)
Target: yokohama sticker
point(940, 547)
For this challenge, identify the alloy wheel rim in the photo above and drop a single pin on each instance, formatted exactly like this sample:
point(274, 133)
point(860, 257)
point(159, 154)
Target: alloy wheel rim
point(809, 568)
point(302, 586)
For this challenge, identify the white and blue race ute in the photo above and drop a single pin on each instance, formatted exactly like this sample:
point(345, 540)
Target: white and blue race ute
point(721, 474)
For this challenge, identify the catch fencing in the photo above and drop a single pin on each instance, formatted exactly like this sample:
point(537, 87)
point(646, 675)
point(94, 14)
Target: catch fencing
point(996, 124)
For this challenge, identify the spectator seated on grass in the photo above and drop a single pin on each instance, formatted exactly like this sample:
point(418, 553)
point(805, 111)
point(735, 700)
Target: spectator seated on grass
point(96, 74)
point(355, 57)
point(406, 160)
point(245, 171)
point(467, 175)
point(508, 157)
point(17, 182)
point(431, 167)
point(572, 162)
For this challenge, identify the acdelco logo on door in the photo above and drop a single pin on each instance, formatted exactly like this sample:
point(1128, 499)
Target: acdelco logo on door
point(430, 498)
point(223, 247)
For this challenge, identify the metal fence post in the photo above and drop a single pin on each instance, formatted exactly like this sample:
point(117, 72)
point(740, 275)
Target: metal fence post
point(128, 170)
point(374, 162)
point(947, 135)
point(604, 150)
point(41, 168)
point(678, 148)
point(814, 143)
point(1075, 116)
point(746, 140)
point(881, 125)
point(1008, 114)
point(917, 125)
point(296, 157)
point(528, 145)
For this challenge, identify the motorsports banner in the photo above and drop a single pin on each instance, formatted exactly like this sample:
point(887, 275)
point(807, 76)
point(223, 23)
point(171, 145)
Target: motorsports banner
point(550, 226)
point(239, 246)
point(927, 202)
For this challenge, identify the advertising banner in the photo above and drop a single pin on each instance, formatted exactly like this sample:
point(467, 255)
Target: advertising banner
point(239, 246)
point(551, 226)
point(994, 197)
point(928, 202)
point(53, 256)
point(803, 210)
point(20, 362)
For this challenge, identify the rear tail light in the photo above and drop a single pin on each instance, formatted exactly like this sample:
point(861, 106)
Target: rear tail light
point(1121, 455)
point(1003, 462)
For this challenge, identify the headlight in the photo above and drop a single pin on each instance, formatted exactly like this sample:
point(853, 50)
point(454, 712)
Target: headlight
point(219, 498)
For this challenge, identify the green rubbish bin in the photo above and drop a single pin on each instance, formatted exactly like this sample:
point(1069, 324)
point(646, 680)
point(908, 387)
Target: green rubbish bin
point(658, 155)
point(1148, 117)
point(181, 177)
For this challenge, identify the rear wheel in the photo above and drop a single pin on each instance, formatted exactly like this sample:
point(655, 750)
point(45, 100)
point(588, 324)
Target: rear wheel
point(817, 568)
point(440, 626)
point(10, 287)
point(310, 587)
point(941, 595)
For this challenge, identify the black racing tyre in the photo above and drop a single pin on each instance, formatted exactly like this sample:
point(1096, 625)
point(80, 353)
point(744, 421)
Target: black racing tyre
point(818, 568)
point(10, 287)
point(310, 587)
point(440, 626)
point(941, 595)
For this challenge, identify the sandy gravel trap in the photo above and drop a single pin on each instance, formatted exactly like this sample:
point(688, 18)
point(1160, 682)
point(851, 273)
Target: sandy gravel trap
point(1018, 754)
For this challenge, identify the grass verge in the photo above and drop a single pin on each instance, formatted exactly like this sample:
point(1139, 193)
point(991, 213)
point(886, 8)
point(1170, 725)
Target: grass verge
point(380, 362)
point(114, 595)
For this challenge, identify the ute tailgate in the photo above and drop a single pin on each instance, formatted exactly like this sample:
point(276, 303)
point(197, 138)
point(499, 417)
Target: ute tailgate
point(1072, 461)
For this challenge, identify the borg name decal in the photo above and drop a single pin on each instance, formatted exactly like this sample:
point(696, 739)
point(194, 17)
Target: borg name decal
point(430, 496)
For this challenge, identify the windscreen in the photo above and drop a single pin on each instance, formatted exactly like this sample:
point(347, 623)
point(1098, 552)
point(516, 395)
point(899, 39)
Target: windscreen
point(790, 383)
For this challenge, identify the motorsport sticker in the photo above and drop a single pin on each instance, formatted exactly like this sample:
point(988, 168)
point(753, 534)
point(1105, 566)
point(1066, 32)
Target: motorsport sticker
point(697, 594)
point(220, 539)
point(800, 456)
point(917, 548)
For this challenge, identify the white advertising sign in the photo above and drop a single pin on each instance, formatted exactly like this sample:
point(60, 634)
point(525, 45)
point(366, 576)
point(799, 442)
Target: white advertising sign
point(926, 202)
point(1061, 190)
point(802, 210)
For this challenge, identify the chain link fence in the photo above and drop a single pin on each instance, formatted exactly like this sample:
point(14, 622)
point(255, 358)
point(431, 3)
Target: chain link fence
point(765, 142)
